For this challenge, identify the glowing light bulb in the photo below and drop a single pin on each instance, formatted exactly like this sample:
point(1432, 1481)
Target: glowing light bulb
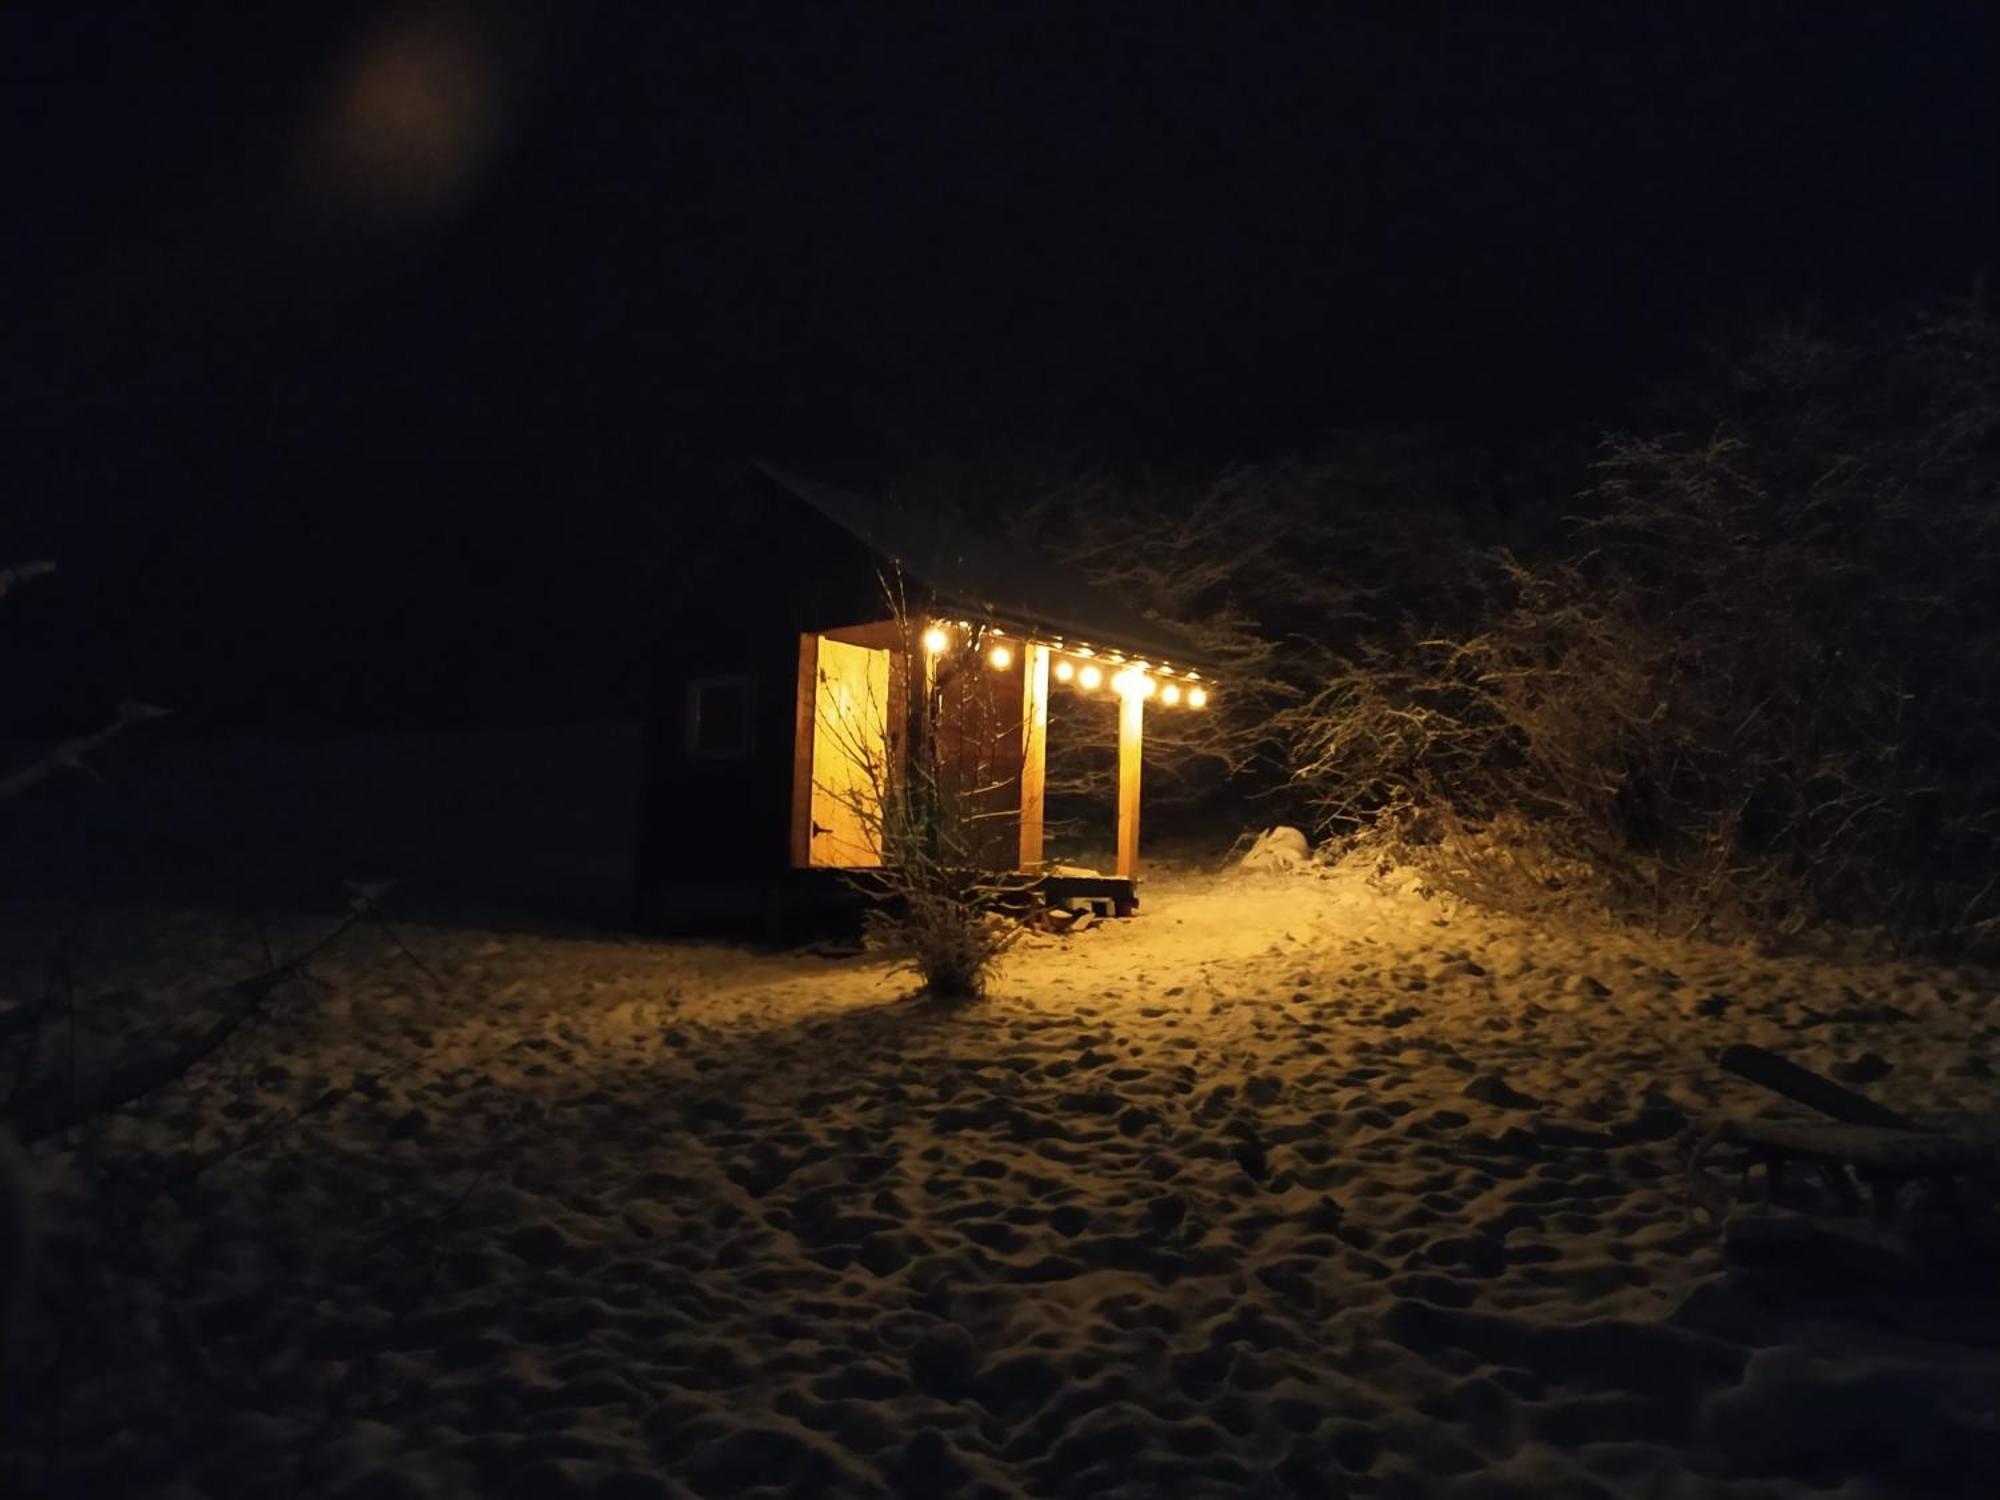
point(1065, 670)
point(1148, 685)
point(1197, 697)
point(1001, 658)
point(1170, 694)
point(936, 639)
point(1088, 677)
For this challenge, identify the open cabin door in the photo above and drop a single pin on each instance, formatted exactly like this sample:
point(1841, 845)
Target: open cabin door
point(850, 747)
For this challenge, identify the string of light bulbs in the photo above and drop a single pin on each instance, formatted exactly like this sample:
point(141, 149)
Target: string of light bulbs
point(1082, 667)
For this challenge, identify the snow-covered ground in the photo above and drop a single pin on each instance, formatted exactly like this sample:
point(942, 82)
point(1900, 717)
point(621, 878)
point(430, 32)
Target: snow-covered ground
point(1291, 1186)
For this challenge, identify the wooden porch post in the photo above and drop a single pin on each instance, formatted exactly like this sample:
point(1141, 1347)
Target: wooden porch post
point(1131, 722)
point(1034, 750)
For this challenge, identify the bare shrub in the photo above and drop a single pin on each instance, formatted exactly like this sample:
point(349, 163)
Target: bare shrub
point(935, 910)
point(932, 797)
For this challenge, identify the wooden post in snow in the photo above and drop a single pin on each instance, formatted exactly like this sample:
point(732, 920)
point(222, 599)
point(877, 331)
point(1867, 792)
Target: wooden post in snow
point(1034, 751)
point(1131, 724)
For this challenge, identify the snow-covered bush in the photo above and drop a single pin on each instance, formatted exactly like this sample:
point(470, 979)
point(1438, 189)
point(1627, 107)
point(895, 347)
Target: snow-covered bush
point(1759, 683)
point(1741, 668)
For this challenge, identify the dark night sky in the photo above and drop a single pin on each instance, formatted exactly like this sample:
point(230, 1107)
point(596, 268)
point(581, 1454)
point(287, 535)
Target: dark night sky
point(359, 358)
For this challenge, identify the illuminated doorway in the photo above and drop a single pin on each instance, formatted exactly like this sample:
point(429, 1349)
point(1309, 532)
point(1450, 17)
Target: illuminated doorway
point(850, 748)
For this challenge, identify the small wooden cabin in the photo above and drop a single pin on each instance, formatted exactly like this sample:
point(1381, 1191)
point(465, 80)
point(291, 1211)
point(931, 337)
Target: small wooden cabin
point(781, 668)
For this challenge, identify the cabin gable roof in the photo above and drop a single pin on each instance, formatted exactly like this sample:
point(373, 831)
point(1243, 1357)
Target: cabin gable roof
point(992, 576)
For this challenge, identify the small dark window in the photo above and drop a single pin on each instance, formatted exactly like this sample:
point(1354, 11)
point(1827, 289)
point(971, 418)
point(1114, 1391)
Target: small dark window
point(718, 718)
